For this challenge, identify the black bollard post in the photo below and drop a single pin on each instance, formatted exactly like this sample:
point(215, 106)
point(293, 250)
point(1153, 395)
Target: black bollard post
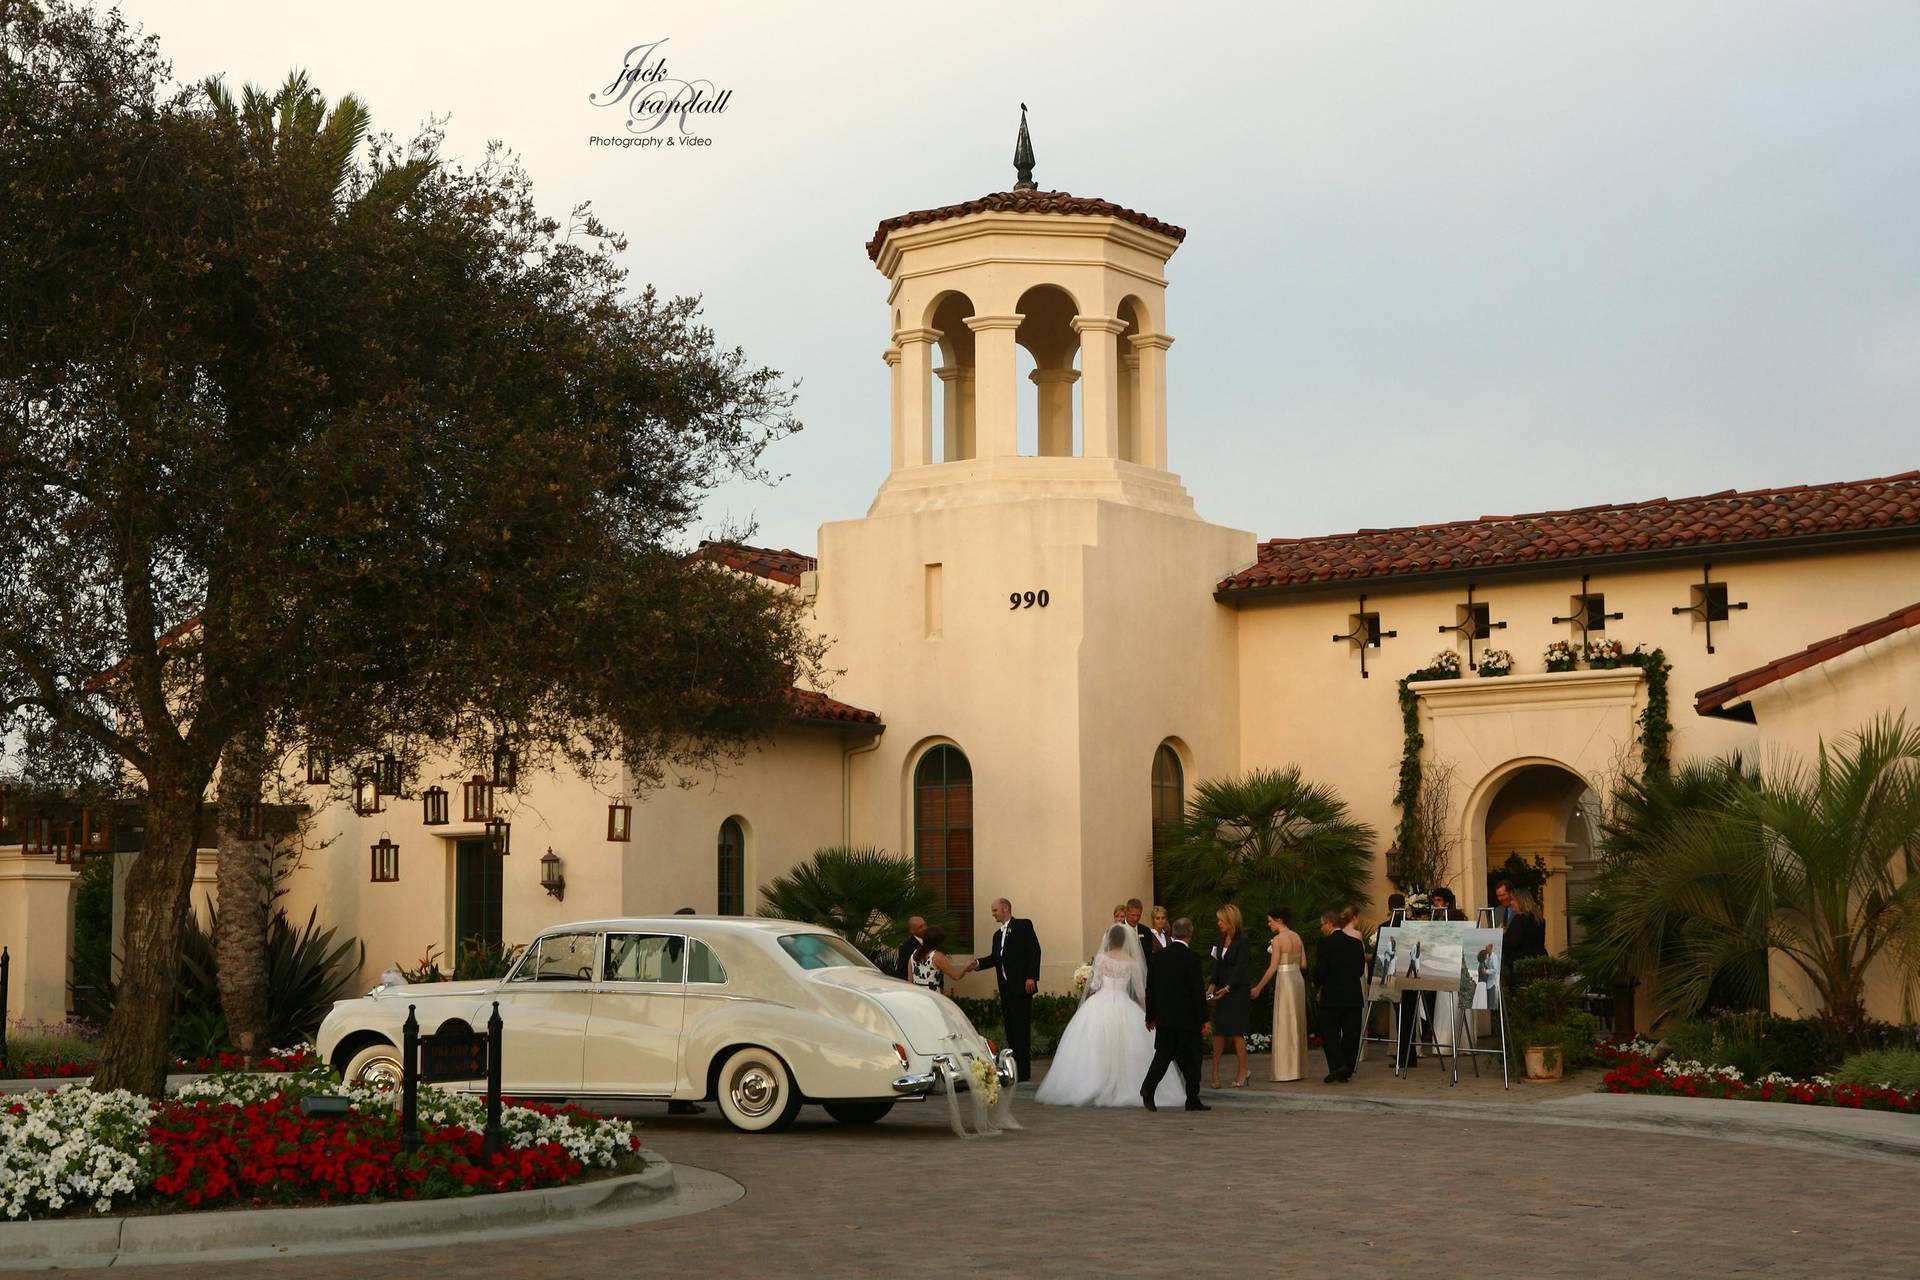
point(410, 1083)
point(6, 963)
point(496, 1136)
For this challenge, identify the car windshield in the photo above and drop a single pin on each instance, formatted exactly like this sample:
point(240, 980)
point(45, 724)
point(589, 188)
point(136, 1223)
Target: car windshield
point(823, 951)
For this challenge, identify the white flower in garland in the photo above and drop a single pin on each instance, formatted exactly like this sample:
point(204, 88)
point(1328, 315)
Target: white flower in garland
point(1496, 662)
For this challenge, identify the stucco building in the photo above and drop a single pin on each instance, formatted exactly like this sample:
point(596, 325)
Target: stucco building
point(1040, 650)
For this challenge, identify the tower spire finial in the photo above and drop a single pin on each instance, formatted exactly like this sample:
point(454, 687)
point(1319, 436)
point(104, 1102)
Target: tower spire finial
point(1023, 156)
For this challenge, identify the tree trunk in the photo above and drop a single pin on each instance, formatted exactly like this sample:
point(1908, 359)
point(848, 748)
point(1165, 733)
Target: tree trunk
point(240, 937)
point(134, 1055)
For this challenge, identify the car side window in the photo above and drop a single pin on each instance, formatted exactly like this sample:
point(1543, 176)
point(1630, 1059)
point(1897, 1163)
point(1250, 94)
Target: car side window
point(559, 957)
point(703, 965)
point(645, 957)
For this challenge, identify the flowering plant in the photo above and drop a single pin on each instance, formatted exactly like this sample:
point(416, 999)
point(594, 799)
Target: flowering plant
point(1418, 903)
point(1496, 662)
point(1258, 1043)
point(1445, 665)
point(1605, 652)
point(1633, 1067)
point(1082, 976)
point(986, 1080)
point(71, 1146)
point(1561, 656)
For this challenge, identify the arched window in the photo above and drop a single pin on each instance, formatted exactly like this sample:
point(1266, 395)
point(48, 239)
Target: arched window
point(733, 868)
point(1169, 803)
point(943, 837)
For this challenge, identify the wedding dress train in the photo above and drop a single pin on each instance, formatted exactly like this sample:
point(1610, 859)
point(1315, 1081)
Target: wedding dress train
point(1103, 1055)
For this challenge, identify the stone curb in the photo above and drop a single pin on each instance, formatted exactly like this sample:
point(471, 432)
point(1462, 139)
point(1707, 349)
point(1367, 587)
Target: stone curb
point(105, 1241)
point(1886, 1137)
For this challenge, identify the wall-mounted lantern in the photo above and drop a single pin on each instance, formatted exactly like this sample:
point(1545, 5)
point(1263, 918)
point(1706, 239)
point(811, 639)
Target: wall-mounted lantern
point(366, 794)
point(552, 878)
point(476, 799)
point(619, 822)
point(386, 861)
point(433, 807)
point(499, 834)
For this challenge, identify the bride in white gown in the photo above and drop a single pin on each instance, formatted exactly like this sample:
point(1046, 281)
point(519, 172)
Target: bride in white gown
point(1104, 1053)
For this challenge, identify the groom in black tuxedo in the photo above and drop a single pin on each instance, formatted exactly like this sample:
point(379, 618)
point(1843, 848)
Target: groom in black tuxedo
point(1176, 1010)
point(1339, 971)
point(1015, 960)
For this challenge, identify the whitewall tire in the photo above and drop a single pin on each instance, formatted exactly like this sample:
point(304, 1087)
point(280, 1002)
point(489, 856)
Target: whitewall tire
point(375, 1064)
point(756, 1092)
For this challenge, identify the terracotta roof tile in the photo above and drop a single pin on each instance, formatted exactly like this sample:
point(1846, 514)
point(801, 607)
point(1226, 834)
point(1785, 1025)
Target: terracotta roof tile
point(1713, 519)
point(1710, 700)
point(809, 704)
point(778, 566)
point(1022, 202)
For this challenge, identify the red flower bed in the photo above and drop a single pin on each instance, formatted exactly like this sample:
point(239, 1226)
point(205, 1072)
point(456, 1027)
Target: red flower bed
point(274, 1063)
point(48, 1070)
point(1632, 1072)
point(209, 1155)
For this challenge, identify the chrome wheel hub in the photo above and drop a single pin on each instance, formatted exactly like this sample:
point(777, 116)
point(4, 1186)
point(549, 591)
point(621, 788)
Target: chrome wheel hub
point(381, 1071)
point(754, 1091)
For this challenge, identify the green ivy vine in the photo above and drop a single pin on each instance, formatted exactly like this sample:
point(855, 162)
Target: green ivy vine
point(1656, 724)
point(1407, 794)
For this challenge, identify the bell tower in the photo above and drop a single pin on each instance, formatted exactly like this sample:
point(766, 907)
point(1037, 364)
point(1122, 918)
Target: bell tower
point(1078, 284)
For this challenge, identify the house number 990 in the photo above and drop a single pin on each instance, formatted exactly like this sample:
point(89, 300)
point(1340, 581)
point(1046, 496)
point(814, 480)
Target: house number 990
point(1027, 599)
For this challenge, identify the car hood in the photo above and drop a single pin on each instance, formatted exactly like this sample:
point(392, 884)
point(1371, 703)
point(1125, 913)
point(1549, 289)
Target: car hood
point(930, 1020)
point(425, 990)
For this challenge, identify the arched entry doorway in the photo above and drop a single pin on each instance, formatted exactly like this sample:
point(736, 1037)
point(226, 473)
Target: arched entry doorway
point(1539, 830)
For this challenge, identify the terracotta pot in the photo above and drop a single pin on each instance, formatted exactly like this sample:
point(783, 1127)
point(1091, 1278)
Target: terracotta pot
point(1543, 1062)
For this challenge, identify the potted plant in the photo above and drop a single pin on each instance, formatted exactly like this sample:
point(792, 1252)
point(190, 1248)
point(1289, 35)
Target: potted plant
point(1496, 662)
point(1605, 653)
point(1539, 1012)
point(1561, 656)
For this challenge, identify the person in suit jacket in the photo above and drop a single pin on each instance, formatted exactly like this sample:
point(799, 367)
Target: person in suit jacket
point(1160, 930)
point(1015, 960)
point(916, 930)
point(1340, 965)
point(1176, 1010)
point(1148, 942)
point(1525, 935)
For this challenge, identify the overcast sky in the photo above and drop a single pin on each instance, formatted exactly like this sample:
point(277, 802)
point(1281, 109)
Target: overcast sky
point(1442, 259)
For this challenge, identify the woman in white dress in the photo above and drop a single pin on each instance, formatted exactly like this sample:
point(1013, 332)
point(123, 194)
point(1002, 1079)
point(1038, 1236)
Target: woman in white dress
point(1104, 1053)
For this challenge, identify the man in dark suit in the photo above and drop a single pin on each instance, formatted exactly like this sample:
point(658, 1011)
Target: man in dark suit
point(1339, 967)
point(1176, 1010)
point(1148, 943)
point(916, 930)
point(1015, 960)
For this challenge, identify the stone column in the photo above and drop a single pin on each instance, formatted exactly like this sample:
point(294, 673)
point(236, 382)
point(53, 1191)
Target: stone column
point(916, 395)
point(969, 440)
point(949, 413)
point(994, 367)
point(1056, 410)
point(1100, 400)
point(892, 356)
point(1150, 400)
point(36, 917)
point(1130, 407)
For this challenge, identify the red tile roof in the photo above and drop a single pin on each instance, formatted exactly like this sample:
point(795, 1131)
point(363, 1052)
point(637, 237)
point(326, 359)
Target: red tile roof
point(809, 704)
point(779, 566)
point(1708, 701)
point(1022, 202)
point(1640, 528)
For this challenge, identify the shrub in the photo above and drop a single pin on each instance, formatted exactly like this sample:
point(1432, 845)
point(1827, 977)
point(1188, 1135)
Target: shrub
point(1757, 1044)
point(865, 895)
point(1895, 1068)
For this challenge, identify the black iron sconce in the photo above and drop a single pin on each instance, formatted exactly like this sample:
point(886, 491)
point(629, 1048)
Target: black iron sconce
point(1366, 634)
point(433, 807)
point(552, 879)
point(1589, 614)
point(1710, 603)
point(1476, 623)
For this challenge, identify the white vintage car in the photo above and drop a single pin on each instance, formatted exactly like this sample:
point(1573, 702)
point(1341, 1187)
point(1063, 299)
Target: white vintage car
point(759, 1015)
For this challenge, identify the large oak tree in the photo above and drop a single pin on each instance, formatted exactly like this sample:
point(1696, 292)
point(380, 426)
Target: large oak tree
point(310, 440)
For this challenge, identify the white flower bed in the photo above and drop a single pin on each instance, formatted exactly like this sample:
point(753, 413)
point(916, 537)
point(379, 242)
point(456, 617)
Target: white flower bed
point(71, 1146)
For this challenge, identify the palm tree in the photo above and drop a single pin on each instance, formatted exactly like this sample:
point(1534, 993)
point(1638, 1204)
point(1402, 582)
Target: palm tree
point(1819, 866)
point(866, 895)
point(287, 142)
point(1268, 839)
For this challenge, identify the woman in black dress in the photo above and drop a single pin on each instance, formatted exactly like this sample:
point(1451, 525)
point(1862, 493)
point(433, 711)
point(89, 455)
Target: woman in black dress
point(1232, 1004)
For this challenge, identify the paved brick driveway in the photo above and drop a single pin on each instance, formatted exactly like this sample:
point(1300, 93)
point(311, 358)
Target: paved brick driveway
point(1231, 1192)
